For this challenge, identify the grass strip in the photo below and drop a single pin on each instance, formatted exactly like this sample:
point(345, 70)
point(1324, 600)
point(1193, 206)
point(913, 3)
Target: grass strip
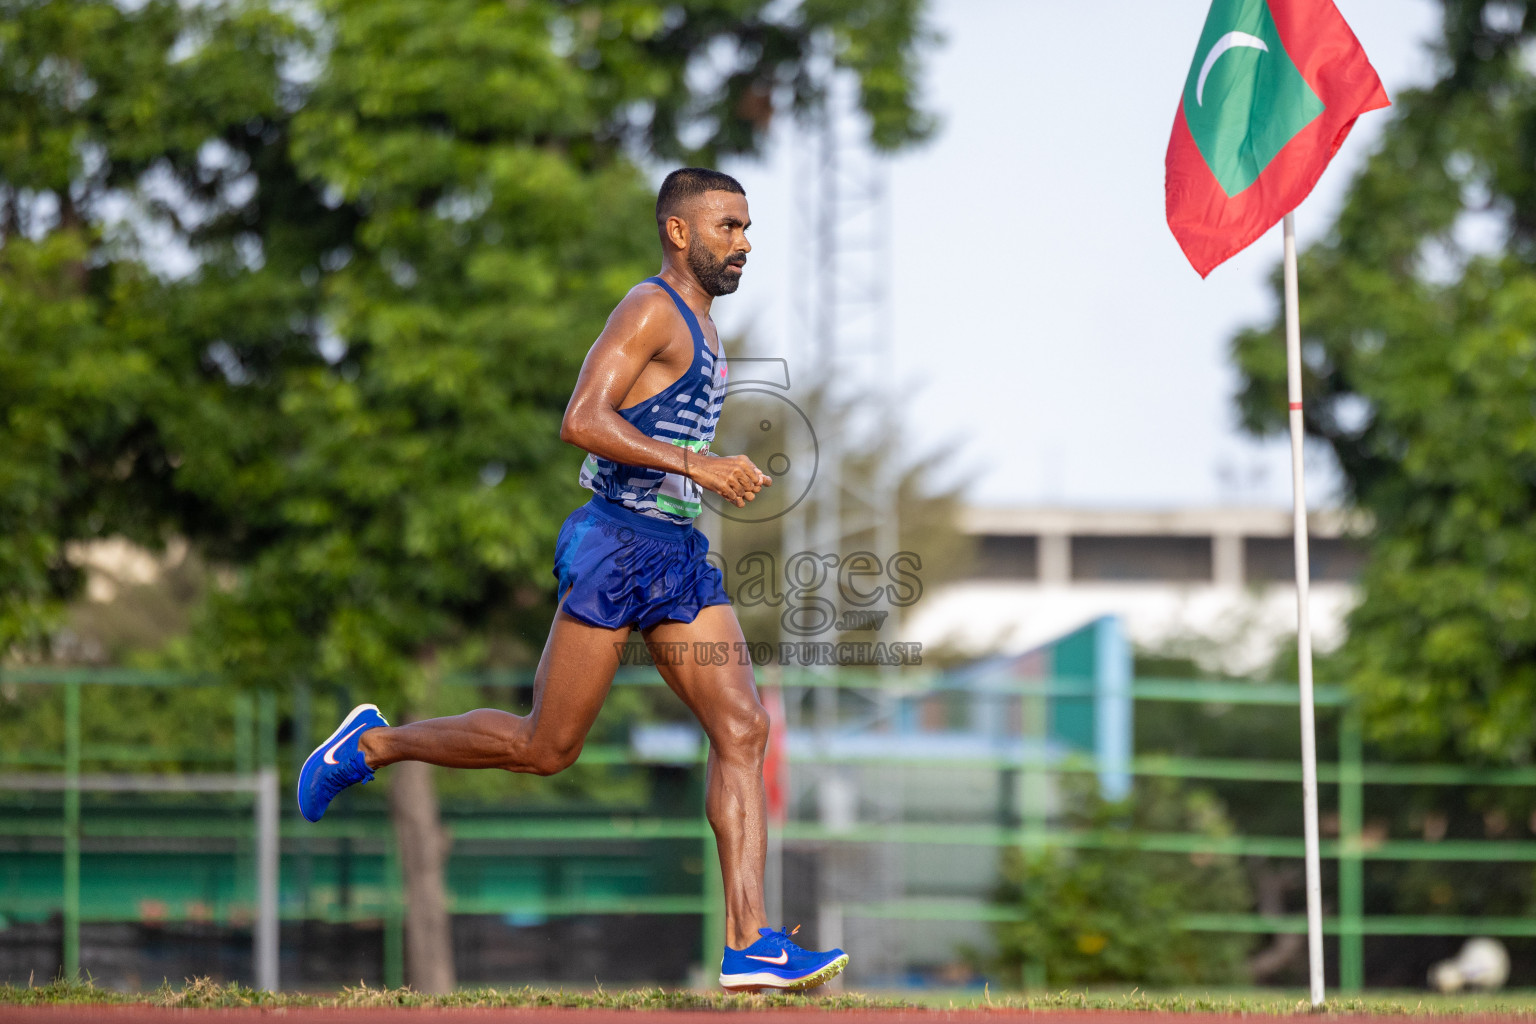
point(1257, 1002)
point(205, 993)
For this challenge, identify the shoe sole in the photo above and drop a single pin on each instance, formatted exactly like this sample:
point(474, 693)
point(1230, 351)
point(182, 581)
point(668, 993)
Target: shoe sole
point(759, 982)
point(351, 717)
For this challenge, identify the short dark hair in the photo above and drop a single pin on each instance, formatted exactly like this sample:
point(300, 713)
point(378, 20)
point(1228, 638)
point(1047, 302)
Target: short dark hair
point(687, 182)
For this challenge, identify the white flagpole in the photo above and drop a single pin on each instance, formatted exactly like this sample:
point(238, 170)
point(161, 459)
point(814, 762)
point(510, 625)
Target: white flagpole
point(1303, 621)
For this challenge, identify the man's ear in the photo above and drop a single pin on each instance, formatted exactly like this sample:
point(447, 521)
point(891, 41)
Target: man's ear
point(676, 230)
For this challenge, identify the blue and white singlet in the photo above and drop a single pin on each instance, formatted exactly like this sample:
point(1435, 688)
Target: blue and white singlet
point(684, 413)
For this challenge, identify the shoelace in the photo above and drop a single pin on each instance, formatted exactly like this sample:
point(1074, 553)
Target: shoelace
point(781, 938)
point(335, 782)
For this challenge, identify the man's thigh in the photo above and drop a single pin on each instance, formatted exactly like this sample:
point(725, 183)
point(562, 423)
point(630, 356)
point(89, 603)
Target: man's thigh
point(705, 664)
point(575, 673)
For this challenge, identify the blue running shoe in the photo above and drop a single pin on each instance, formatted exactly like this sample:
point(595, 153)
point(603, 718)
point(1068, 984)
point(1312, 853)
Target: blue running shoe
point(337, 763)
point(774, 961)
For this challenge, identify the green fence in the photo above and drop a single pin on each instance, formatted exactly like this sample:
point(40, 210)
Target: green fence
point(252, 730)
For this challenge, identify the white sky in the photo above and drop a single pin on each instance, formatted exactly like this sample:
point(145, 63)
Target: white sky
point(1045, 321)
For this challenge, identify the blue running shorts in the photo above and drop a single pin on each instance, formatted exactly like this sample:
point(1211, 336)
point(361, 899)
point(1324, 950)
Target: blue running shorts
point(617, 567)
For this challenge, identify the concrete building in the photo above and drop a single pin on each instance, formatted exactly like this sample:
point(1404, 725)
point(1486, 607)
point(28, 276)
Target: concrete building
point(1214, 583)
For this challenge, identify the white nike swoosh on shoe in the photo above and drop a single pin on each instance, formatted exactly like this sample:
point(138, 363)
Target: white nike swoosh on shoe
point(782, 958)
point(346, 723)
point(330, 755)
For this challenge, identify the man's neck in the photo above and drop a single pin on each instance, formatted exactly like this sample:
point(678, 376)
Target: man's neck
point(685, 284)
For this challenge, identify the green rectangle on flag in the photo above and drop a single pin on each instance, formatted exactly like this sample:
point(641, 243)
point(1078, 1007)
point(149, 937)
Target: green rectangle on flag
point(1244, 99)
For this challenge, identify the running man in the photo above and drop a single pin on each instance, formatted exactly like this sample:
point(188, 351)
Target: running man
point(645, 408)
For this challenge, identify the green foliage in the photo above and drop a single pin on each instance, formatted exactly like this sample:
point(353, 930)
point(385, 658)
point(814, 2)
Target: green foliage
point(128, 728)
point(99, 101)
point(710, 73)
point(1111, 913)
point(1421, 367)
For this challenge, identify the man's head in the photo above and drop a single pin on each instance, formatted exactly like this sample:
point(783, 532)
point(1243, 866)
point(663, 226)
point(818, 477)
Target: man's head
point(701, 216)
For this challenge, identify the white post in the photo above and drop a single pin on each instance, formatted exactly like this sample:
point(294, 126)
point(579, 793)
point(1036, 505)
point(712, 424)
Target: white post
point(1303, 621)
point(265, 932)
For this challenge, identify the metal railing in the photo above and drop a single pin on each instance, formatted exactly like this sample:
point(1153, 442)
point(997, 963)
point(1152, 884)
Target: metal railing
point(257, 752)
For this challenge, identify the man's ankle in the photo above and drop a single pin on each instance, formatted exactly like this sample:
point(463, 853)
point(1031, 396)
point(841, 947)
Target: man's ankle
point(370, 744)
point(743, 939)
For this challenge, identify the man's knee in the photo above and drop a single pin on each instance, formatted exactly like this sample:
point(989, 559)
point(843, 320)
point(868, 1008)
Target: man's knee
point(746, 731)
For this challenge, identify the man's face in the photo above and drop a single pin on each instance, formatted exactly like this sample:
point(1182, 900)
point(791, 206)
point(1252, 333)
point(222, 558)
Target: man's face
point(717, 240)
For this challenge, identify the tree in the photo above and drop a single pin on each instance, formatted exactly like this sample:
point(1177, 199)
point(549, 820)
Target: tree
point(106, 113)
point(1111, 913)
point(1418, 320)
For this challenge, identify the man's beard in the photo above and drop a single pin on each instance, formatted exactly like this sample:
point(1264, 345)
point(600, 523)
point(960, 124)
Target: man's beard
point(712, 273)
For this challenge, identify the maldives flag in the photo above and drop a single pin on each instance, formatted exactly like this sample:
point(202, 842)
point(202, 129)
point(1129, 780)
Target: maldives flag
point(1273, 91)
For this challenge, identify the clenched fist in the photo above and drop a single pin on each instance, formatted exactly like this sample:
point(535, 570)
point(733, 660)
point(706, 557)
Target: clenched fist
point(733, 477)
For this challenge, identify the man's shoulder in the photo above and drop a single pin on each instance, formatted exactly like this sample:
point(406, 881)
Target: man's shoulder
point(646, 295)
point(644, 299)
point(645, 308)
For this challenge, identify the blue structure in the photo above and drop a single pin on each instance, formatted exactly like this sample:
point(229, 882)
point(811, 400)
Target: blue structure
point(1083, 685)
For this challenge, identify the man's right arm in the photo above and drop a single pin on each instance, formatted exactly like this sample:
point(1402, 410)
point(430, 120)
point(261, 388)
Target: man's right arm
point(635, 335)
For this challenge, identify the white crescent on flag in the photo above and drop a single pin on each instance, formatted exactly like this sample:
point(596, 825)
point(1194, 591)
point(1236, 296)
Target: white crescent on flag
point(1224, 44)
